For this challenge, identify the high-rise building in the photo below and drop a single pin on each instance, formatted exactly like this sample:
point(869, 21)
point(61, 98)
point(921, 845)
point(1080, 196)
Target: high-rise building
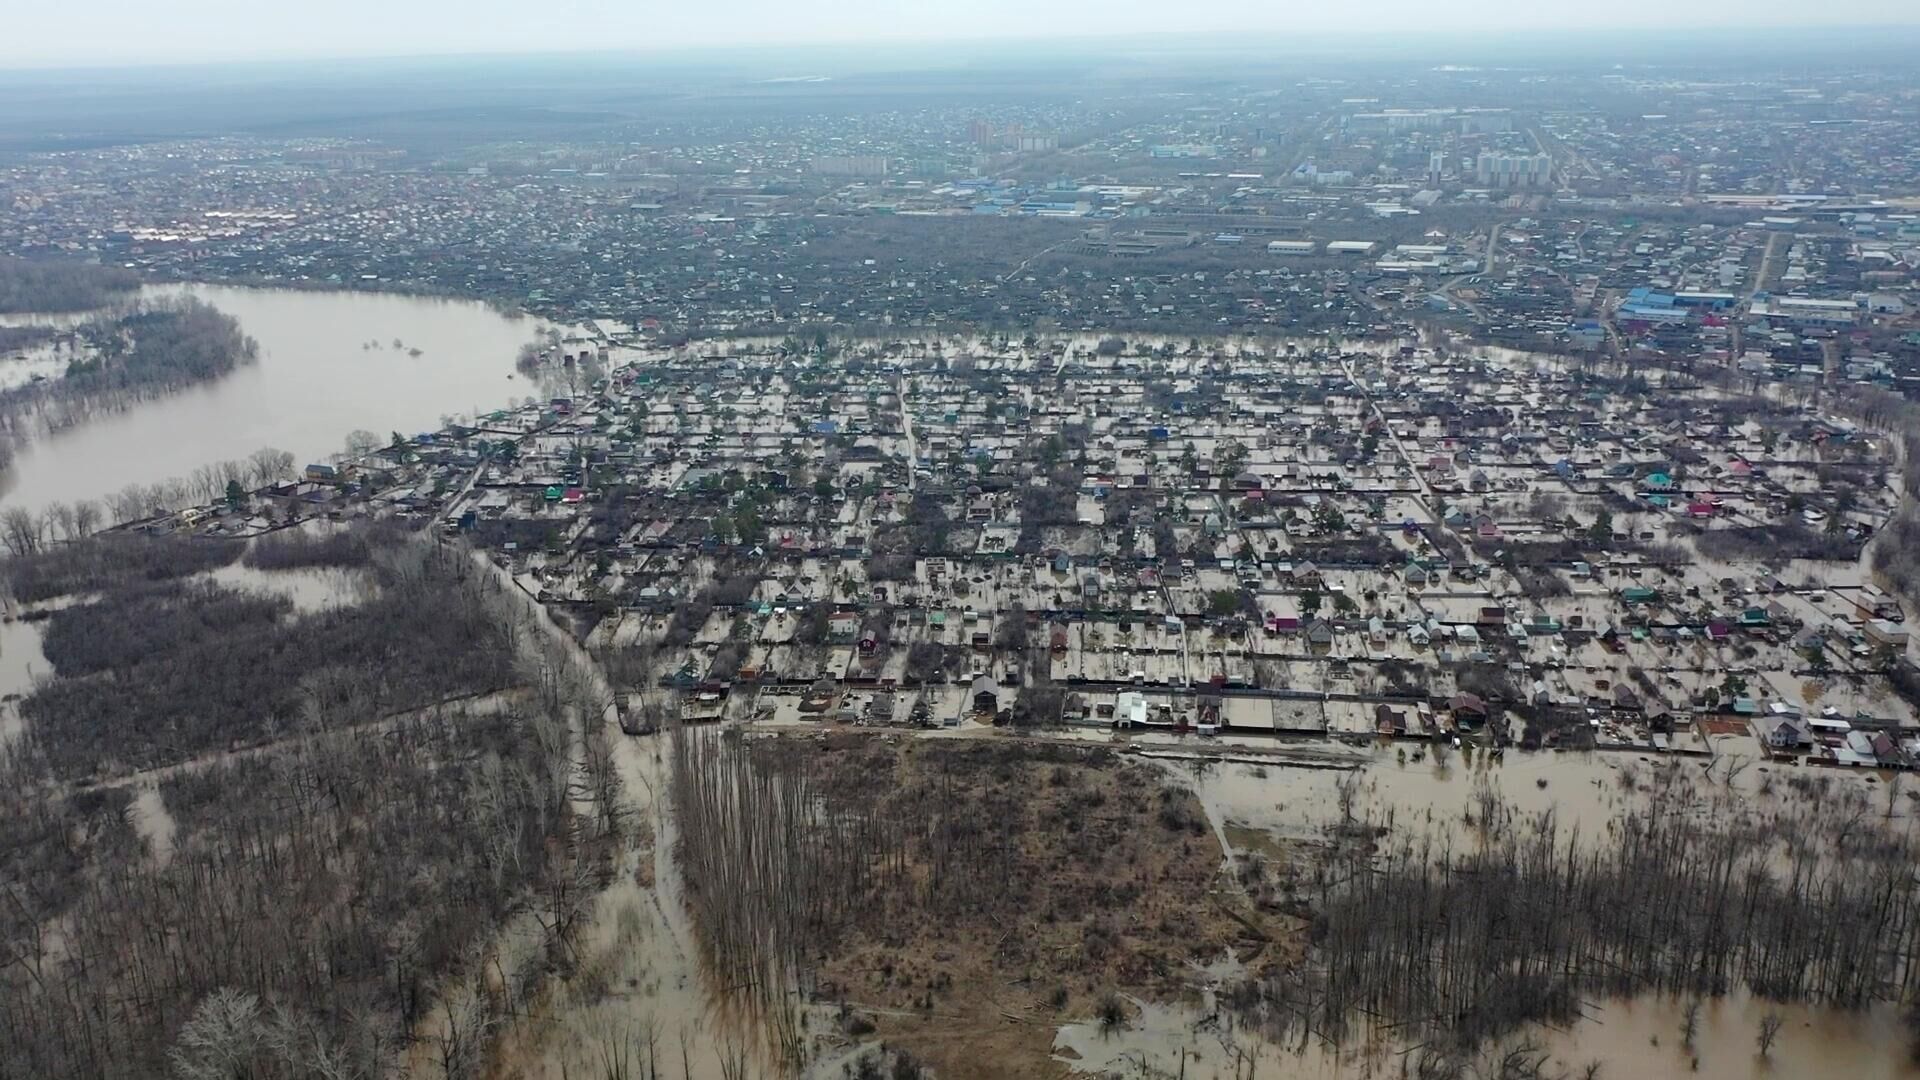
point(1503, 170)
point(868, 165)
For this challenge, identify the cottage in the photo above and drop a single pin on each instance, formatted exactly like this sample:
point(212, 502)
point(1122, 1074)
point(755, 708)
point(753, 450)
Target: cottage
point(1467, 709)
point(1886, 632)
point(984, 695)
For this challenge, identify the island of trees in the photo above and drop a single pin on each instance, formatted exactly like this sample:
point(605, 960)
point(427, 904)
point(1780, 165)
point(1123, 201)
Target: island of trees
point(151, 351)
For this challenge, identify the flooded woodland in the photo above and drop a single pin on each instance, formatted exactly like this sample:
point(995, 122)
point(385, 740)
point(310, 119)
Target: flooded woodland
point(1522, 917)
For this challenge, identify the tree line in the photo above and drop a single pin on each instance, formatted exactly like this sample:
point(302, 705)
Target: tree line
point(61, 285)
point(24, 531)
point(1456, 946)
point(112, 561)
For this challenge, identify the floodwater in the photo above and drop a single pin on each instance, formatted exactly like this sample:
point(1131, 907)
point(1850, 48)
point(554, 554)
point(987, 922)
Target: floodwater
point(153, 823)
point(21, 662)
point(1407, 783)
point(639, 938)
point(1253, 805)
point(315, 381)
point(311, 589)
point(1635, 1037)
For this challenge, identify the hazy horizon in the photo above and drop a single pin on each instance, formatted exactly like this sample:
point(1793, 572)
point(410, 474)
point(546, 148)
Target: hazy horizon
point(107, 33)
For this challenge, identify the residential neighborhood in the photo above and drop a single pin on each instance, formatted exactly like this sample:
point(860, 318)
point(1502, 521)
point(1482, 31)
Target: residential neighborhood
point(1243, 540)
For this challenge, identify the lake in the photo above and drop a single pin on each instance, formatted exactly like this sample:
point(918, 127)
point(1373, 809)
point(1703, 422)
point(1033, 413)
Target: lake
point(315, 382)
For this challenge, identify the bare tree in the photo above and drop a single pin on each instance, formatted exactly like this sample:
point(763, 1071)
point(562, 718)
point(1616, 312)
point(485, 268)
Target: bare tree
point(59, 520)
point(466, 1022)
point(221, 1040)
point(267, 465)
point(1770, 1026)
point(86, 518)
point(362, 442)
point(21, 530)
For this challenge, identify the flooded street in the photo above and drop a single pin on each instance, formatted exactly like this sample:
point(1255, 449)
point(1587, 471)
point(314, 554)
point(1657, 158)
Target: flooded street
point(641, 989)
point(329, 364)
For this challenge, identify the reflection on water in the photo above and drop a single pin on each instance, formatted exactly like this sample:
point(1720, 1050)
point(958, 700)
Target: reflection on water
point(1636, 1039)
point(314, 383)
point(1259, 809)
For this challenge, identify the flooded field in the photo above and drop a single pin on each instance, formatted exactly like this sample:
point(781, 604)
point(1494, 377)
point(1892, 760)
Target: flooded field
point(330, 363)
point(1411, 784)
point(1272, 812)
point(1630, 1038)
point(311, 589)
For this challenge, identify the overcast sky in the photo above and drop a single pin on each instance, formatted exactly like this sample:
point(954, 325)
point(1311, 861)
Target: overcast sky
point(59, 33)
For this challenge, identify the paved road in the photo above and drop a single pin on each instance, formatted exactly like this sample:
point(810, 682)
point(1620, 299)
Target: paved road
point(1425, 498)
point(906, 428)
point(1766, 265)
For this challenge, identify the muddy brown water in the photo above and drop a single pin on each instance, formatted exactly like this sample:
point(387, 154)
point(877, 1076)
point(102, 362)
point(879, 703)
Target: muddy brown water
point(313, 384)
point(639, 936)
point(1634, 1038)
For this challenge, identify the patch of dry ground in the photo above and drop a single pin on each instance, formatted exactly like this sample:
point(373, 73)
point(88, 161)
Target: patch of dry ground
point(1091, 875)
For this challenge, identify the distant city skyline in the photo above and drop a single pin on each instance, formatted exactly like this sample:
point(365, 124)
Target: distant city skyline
point(128, 32)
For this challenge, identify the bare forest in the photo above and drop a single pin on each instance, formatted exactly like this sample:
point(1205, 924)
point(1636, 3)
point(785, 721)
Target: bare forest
point(326, 902)
point(1455, 935)
point(158, 672)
